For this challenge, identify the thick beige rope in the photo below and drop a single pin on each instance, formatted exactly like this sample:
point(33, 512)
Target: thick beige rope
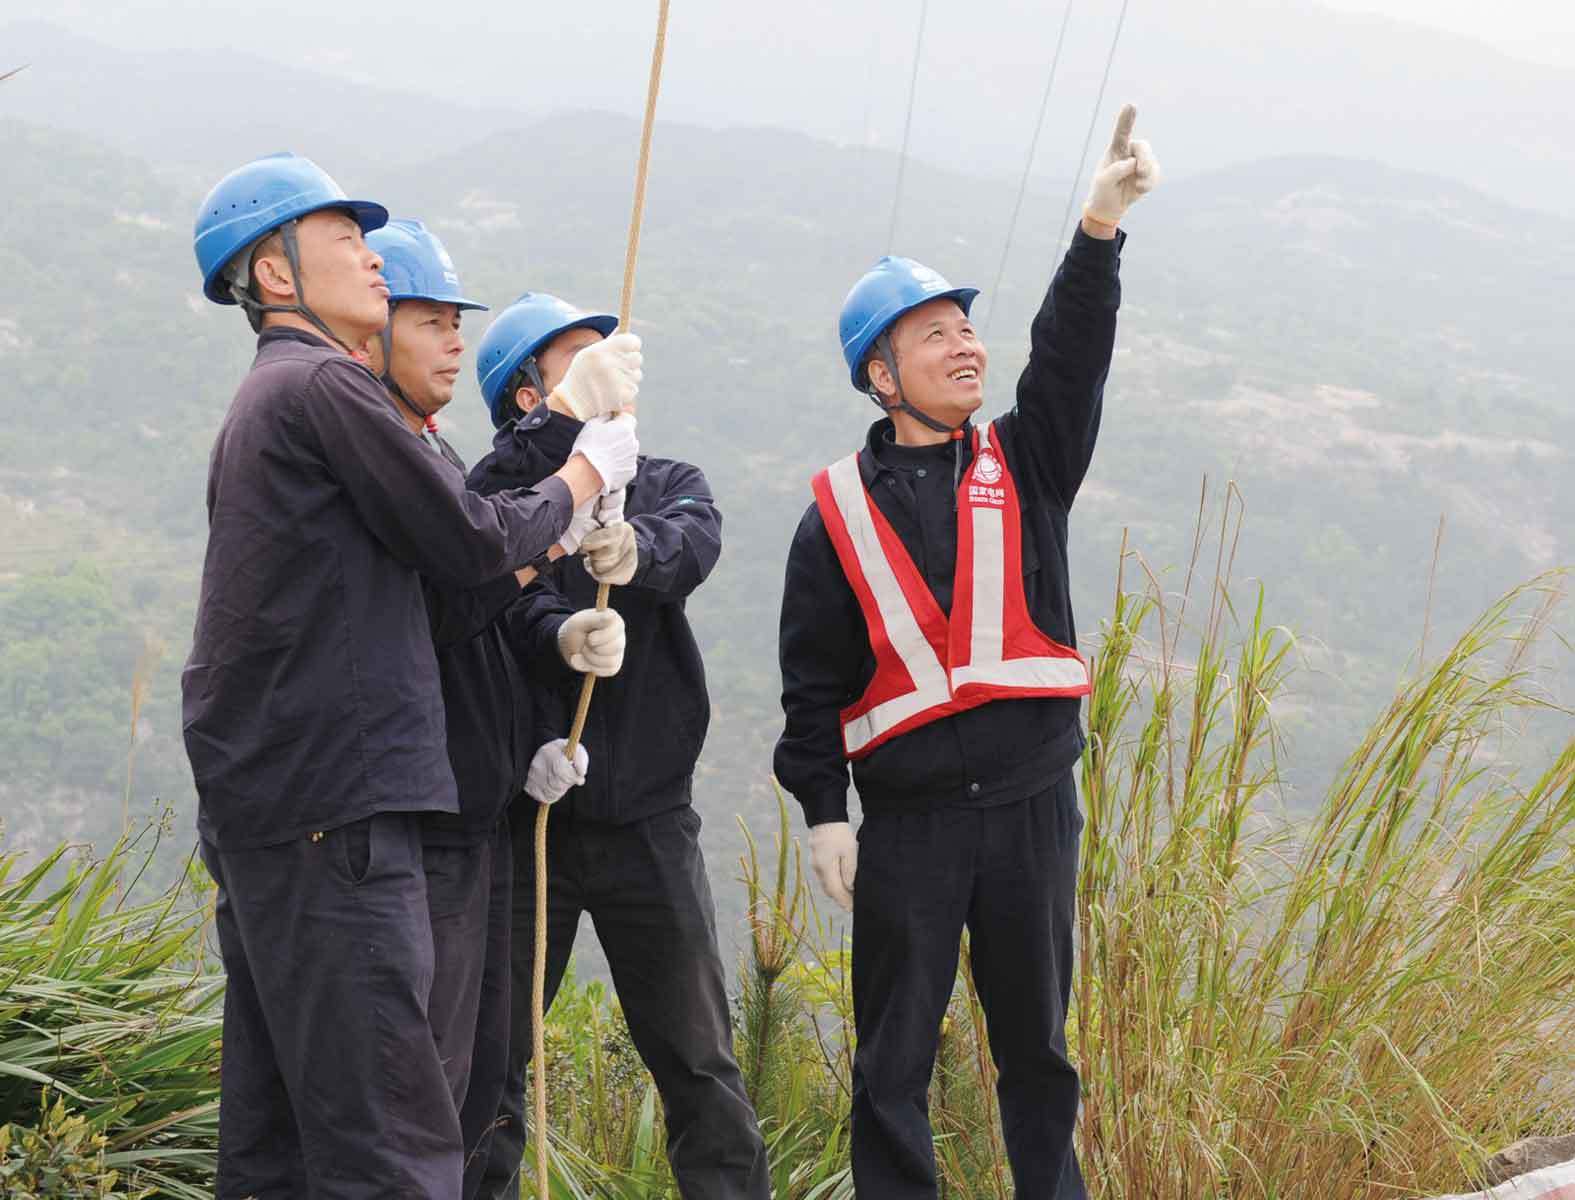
point(539, 971)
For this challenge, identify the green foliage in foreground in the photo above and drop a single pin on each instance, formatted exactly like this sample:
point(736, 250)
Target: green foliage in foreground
point(1358, 1006)
point(109, 1005)
point(1362, 1005)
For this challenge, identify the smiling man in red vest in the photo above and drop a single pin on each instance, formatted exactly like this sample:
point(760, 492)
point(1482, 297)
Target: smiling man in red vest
point(927, 640)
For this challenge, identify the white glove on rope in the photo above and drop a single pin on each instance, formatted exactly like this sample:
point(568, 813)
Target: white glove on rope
point(611, 554)
point(551, 774)
point(1128, 172)
point(582, 523)
point(609, 509)
point(610, 446)
point(591, 642)
point(834, 855)
point(603, 378)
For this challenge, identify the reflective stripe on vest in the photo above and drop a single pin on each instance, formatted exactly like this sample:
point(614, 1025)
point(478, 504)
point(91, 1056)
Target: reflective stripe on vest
point(926, 666)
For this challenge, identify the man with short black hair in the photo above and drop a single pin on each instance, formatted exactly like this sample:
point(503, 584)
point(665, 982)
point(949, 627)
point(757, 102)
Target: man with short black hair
point(312, 708)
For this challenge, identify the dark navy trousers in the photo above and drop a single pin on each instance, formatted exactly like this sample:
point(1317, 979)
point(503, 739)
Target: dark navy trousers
point(331, 1085)
point(470, 897)
point(1008, 874)
point(645, 888)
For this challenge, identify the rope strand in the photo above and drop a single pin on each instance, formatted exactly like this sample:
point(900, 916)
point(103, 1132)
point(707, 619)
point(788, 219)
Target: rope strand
point(603, 592)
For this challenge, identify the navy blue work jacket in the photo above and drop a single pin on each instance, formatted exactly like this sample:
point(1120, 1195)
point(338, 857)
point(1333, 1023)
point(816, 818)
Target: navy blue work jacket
point(647, 724)
point(999, 752)
point(311, 697)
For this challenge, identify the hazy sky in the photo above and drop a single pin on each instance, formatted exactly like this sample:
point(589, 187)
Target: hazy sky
point(1541, 30)
point(1216, 81)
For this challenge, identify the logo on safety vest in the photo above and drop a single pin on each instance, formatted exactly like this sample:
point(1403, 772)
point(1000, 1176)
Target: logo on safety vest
point(988, 469)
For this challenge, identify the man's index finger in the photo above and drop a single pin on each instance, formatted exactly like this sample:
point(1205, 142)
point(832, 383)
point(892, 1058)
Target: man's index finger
point(1120, 143)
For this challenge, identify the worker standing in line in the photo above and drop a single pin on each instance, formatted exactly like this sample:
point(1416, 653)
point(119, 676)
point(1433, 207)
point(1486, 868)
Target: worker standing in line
point(488, 702)
point(927, 640)
point(625, 846)
point(312, 709)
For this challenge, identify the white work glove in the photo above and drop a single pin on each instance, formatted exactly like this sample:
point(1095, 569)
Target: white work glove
point(610, 446)
point(603, 378)
point(591, 642)
point(551, 774)
point(1128, 172)
point(834, 855)
point(609, 509)
point(583, 522)
point(611, 554)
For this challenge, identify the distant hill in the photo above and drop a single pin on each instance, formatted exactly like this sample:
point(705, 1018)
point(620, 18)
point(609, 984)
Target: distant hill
point(1361, 348)
point(1218, 82)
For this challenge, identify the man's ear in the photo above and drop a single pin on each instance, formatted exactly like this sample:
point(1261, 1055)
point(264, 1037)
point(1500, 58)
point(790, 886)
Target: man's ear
point(880, 377)
point(526, 398)
point(272, 274)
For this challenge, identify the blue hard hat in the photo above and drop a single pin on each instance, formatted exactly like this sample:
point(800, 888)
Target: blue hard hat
point(520, 330)
point(416, 266)
point(890, 288)
point(256, 199)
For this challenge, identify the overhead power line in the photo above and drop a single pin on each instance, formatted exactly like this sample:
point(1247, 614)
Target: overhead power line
point(1093, 119)
point(1028, 166)
point(907, 127)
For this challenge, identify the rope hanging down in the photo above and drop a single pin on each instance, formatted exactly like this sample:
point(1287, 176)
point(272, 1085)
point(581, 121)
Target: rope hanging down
point(539, 968)
point(1022, 185)
point(1099, 100)
point(907, 127)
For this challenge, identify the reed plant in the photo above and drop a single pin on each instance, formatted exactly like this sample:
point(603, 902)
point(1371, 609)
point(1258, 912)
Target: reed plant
point(1358, 1001)
point(1362, 1000)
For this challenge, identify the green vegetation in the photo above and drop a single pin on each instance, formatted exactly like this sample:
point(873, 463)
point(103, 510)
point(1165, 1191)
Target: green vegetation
point(1365, 1005)
point(1360, 350)
point(111, 1010)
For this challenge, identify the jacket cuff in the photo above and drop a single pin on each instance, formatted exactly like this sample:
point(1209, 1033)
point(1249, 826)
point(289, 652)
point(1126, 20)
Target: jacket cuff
point(549, 659)
point(1094, 250)
point(561, 501)
point(824, 808)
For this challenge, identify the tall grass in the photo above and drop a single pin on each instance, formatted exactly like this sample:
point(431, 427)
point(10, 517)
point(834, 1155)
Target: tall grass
point(1359, 1002)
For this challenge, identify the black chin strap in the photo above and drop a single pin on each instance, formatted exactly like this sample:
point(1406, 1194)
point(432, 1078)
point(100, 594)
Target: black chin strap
point(887, 356)
point(955, 433)
point(255, 310)
point(387, 377)
point(526, 373)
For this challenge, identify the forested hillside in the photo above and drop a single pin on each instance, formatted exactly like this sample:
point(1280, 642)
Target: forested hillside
point(1360, 349)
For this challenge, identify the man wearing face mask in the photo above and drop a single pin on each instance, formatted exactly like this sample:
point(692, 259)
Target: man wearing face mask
point(624, 846)
point(313, 712)
point(927, 641)
point(488, 702)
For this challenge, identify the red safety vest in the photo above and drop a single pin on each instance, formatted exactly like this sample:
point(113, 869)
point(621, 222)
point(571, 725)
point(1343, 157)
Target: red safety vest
point(926, 666)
